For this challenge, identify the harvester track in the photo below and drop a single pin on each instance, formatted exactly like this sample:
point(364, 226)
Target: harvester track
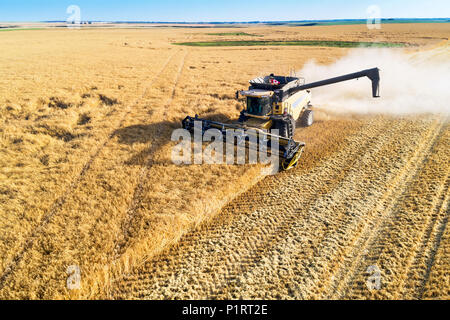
point(133, 210)
point(383, 214)
point(407, 233)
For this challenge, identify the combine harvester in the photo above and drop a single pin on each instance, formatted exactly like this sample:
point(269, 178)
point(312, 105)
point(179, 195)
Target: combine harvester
point(277, 102)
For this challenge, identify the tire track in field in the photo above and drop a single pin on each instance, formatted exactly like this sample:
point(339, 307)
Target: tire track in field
point(387, 243)
point(420, 263)
point(382, 212)
point(349, 228)
point(432, 184)
point(57, 205)
point(436, 282)
point(265, 252)
point(255, 230)
point(282, 233)
point(298, 266)
point(133, 215)
point(431, 245)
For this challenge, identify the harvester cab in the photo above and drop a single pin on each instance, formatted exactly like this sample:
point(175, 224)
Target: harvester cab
point(266, 111)
point(273, 107)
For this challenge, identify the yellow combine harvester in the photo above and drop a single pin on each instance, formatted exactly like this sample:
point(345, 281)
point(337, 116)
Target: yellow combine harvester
point(278, 102)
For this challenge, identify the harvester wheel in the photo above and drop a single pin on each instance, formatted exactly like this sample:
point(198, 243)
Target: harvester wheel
point(307, 118)
point(286, 127)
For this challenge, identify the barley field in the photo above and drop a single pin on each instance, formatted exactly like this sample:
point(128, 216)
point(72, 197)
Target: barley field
point(86, 177)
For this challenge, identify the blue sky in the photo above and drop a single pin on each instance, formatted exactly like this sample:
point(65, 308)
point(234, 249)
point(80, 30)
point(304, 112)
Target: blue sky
point(218, 10)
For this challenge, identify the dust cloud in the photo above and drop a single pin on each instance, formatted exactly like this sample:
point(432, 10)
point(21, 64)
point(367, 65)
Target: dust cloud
point(410, 83)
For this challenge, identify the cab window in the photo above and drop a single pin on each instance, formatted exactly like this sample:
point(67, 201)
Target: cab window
point(258, 106)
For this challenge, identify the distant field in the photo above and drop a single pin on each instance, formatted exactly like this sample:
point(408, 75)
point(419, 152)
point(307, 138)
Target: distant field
point(233, 34)
point(20, 29)
point(221, 25)
point(359, 21)
point(315, 43)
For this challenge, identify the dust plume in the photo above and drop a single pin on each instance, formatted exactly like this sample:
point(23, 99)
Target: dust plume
point(410, 83)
